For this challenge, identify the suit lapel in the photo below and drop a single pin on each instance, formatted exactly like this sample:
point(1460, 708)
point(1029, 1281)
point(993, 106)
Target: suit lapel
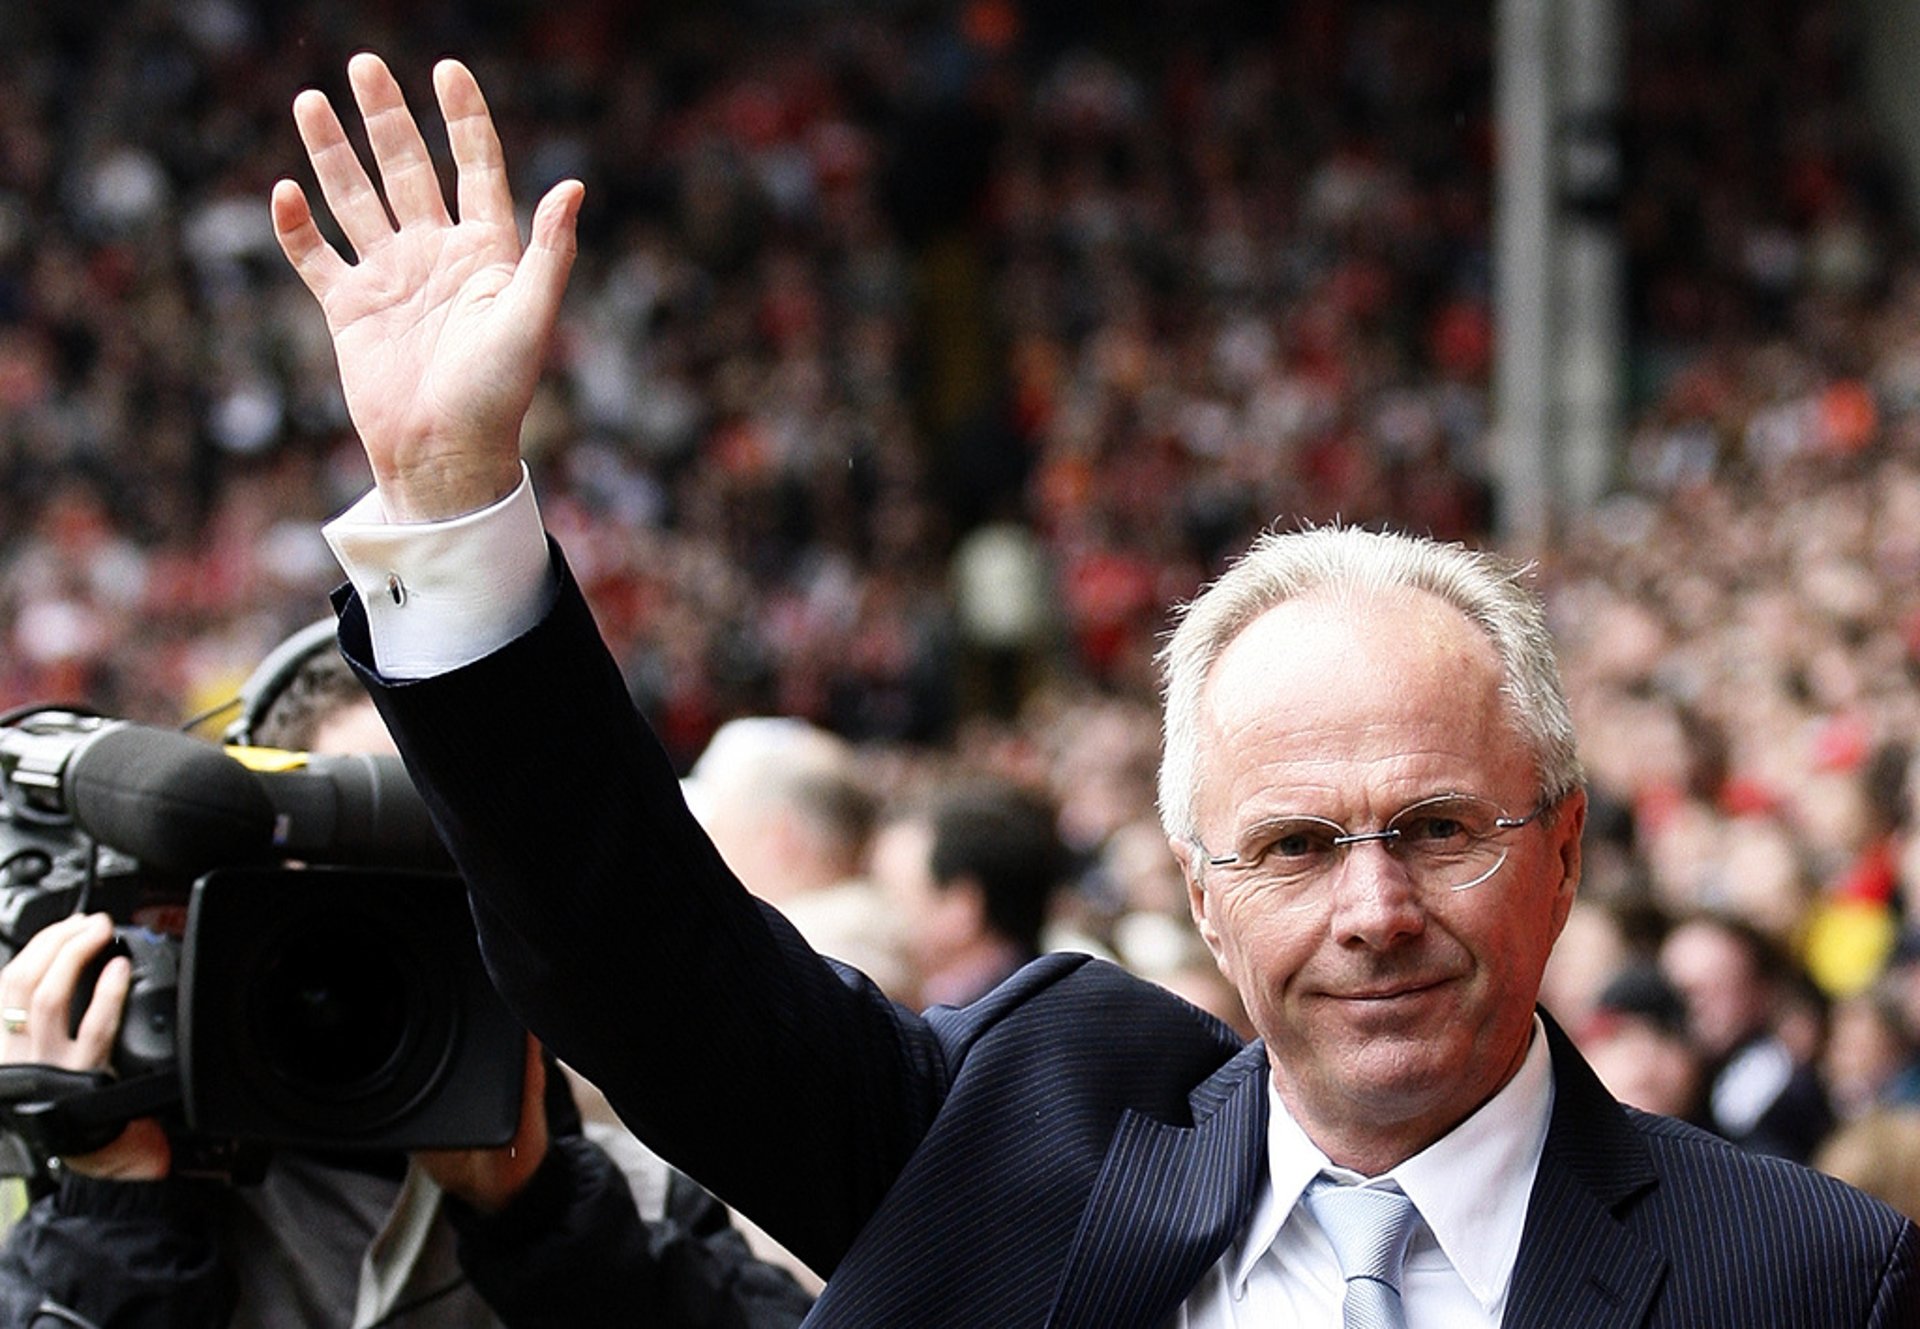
point(1579, 1267)
point(1170, 1198)
point(1168, 1201)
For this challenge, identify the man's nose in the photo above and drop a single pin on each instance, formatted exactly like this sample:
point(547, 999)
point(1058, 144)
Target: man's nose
point(1376, 901)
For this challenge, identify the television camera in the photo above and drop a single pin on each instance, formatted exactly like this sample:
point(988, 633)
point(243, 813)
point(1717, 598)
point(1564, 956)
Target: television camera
point(304, 969)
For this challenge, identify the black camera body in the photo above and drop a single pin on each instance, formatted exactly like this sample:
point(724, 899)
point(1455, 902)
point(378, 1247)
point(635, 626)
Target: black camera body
point(148, 1041)
point(305, 970)
point(333, 1006)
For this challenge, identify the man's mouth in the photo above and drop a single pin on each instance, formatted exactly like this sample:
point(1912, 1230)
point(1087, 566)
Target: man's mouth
point(1391, 992)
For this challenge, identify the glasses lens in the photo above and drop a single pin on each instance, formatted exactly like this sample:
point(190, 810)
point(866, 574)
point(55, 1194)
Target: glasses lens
point(1298, 856)
point(1448, 843)
point(1451, 842)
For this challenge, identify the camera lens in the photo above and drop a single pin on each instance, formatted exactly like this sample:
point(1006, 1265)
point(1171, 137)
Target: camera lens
point(332, 1012)
point(336, 1007)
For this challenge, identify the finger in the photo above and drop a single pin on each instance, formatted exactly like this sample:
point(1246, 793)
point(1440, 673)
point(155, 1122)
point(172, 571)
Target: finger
point(23, 974)
point(344, 184)
point(531, 1136)
point(50, 1008)
point(533, 1092)
point(540, 280)
point(484, 193)
point(406, 168)
point(100, 1026)
point(313, 259)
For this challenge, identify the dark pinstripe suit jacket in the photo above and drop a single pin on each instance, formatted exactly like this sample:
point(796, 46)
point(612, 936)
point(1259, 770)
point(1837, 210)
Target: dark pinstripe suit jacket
point(1073, 1150)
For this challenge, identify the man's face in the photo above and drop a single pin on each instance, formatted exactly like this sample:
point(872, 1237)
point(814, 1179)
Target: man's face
point(1389, 1014)
point(355, 730)
point(939, 922)
point(1726, 1001)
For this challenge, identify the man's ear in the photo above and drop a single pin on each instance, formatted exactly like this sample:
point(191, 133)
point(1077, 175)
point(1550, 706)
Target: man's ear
point(1197, 902)
point(1569, 824)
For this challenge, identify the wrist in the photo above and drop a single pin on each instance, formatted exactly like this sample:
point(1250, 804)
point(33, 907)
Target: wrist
point(446, 487)
point(141, 1153)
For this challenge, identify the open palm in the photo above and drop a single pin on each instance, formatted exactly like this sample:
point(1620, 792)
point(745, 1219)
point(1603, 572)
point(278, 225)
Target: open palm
point(440, 325)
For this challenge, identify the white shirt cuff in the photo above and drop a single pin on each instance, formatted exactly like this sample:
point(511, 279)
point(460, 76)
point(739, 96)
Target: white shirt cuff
point(443, 594)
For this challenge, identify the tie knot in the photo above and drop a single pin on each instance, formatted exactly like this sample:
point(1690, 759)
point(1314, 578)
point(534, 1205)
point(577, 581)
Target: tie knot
point(1369, 1228)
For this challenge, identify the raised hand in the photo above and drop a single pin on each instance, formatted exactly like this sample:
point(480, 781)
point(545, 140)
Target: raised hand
point(440, 326)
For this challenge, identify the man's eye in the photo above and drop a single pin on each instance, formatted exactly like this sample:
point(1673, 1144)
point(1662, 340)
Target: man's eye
point(1297, 843)
point(1434, 830)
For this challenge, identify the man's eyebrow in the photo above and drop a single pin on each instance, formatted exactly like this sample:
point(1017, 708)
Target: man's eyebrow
point(1255, 831)
point(1267, 822)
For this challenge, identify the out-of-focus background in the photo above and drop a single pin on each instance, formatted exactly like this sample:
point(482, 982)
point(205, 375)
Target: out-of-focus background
point(921, 355)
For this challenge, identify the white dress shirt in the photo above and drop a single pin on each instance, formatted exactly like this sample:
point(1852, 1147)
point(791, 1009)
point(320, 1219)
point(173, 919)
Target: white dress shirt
point(1471, 1189)
point(429, 611)
point(443, 594)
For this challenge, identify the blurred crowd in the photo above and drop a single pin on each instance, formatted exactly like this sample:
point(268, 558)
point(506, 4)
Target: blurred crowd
point(919, 355)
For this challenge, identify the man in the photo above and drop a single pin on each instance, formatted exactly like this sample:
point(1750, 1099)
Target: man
point(786, 805)
point(546, 1230)
point(1636, 1040)
point(789, 810)
point(1078, 1148)
point(970, 873)
point(1758, 1095)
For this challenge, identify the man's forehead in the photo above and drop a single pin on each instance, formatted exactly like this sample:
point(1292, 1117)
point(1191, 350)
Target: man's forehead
point(1340, 635)
point(1397, 692)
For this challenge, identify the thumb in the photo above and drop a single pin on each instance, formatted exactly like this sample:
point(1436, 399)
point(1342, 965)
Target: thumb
point(540, 279)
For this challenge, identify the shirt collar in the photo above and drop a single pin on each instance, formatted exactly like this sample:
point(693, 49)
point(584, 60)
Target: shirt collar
point(1470, 1186)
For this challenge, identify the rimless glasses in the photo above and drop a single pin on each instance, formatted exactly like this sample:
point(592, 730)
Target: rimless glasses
point(1444, 843)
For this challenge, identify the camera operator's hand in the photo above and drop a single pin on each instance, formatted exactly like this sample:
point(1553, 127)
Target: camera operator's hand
point(440, 326)
point(488, 1179)
point(40, 982)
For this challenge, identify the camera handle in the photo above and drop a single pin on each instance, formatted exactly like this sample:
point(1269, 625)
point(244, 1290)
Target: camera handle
point(57, 1112)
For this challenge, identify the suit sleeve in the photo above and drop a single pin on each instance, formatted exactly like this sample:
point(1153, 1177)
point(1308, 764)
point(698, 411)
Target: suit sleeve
point(1896, 1302)
point(793, 1090)
point(131, 1255)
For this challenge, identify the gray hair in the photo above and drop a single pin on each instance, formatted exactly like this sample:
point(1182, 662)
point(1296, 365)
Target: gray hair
point(755, 765)
point(1493, 593)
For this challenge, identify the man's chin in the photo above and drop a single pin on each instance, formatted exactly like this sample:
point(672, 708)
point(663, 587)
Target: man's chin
point(1372, 1114)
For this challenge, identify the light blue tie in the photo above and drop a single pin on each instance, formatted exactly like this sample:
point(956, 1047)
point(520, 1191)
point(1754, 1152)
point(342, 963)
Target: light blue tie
point(1369, 1229)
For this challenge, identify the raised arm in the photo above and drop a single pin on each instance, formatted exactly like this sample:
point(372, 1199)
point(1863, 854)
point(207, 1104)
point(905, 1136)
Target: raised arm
point(441, 322)
point(608, 920)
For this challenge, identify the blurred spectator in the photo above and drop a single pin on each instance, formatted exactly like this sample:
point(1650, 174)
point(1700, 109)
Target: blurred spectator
point(972, 873)
point(1900, 979)
point(1880, 1153)
point(1592, 949)
point(1872, 1059)
point(786, 805)
point(1637, 1040)
point(1758, 1095)
point(1802, 1015)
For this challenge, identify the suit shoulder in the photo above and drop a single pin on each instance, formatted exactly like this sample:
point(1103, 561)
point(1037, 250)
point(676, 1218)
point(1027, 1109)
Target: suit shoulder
point(1069, 985)
point(1717, 1178)
point(1075, 1019)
